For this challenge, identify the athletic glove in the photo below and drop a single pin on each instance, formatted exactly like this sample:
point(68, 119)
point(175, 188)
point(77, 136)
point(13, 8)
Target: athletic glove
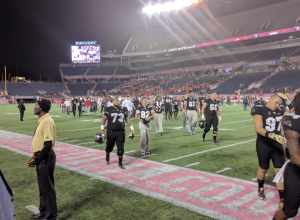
point(276, 137)
point(31, 162)
point(220, 118)
point(131, 136)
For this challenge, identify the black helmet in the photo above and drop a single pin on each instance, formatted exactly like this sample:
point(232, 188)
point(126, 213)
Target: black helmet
point(99, 138)
point(202, 124)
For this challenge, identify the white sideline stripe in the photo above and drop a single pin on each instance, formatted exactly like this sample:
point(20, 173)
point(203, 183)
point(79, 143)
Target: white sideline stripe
point(224, 170)
point(91, 142)
point(131, 151)
point(209, 150)
point(235, 122)
point(192, 164)
point(73, 141)
point(176, 128)
point(80, 129)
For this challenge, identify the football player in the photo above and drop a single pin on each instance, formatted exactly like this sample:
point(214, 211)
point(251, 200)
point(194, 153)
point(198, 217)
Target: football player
point(168, 107)
point(191, 111)
point(291, 173)
point(267, 121)
point(175, 108)
point(145, 114)
point(113, 122)
point(212, 115)
point(158, 115)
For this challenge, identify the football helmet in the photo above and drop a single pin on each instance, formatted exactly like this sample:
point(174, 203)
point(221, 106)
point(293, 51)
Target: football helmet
point(201, 124)
point(99, 138)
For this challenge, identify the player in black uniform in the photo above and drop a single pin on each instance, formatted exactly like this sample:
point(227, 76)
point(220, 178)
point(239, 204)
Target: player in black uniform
point(291, 127)
point(114, 119)
point(212, 116)
point(74, 106)
point(267, 119)
point(175, 108)
point(168, 107)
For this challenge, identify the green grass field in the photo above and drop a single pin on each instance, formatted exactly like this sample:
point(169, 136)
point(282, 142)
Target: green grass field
point(82, 198)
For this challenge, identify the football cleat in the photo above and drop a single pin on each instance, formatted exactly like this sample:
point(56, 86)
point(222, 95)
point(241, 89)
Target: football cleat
point(99, 138)
point(261, 194)
point(107, 159)
point(131, 136)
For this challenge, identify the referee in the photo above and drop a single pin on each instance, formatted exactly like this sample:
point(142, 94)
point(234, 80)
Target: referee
point(44, 160)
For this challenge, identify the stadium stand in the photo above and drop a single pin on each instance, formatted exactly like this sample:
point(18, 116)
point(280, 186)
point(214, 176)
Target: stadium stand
point(240, 81)
point(79, 89)
point(34, 88)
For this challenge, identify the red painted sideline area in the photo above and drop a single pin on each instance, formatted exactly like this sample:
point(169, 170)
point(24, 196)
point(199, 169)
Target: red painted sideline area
point(209, 194)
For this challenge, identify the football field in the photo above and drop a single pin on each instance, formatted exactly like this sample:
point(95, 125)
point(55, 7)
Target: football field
point(79, 197)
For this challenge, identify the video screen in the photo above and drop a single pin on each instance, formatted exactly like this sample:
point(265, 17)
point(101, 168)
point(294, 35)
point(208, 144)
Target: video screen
point(85, 53)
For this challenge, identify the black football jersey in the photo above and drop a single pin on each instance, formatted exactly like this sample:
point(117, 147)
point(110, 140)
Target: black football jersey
point(158, 107)
point(116, 118)
point(212, 107)
point(176, 105)
point(271, 119)
point(168, 100)
point(191, 103)
point(145, 114)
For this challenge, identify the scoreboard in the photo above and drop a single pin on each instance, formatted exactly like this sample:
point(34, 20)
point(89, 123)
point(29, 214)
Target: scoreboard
point(86, 52)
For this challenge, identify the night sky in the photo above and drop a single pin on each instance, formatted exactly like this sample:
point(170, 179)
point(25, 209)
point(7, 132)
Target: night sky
point(36, 35)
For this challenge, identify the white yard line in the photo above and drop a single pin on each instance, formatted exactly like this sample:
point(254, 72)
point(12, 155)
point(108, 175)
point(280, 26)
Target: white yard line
point(209, 150)
point(235, 122)
point(192, 164)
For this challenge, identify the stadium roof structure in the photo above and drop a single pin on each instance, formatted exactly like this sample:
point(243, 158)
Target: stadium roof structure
point(225, 7)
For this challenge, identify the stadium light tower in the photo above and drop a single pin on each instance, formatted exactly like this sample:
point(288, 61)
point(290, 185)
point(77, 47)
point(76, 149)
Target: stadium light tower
point(169, 6)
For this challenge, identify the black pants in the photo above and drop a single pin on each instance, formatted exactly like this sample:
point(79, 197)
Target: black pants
point(291, 190)
point(21, 115)
point(45, 178)
point(115, 138)
point(267, 151)
point(211, 121)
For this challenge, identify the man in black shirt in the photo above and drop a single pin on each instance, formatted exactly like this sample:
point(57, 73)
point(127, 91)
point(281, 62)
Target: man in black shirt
point(211, 114)
point(114, 119)
point(291, 173)
point(22, 109)
point(267, 120)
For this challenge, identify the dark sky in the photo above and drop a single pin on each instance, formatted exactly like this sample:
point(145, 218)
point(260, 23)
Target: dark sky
point(36, 35)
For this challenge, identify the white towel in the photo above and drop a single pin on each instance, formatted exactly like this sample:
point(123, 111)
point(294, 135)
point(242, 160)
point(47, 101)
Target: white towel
point(280, 175)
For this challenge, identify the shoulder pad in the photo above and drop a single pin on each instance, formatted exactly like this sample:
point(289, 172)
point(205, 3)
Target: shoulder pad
point(257, 110)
